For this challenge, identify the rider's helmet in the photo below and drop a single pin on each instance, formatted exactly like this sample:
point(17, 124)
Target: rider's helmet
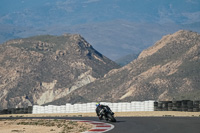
point(97, 104)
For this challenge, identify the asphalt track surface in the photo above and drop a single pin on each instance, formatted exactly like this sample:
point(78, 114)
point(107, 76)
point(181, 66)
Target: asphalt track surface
point(143, 124)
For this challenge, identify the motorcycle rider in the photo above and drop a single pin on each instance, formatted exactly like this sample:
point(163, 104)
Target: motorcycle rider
point(99, 107)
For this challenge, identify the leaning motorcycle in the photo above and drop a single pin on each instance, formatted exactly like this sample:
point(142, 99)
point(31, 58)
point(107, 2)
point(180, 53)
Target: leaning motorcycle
point(107, 115)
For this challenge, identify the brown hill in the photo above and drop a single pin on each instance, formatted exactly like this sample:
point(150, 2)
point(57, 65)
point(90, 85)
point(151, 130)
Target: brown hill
point(168, 70)
point(45, 68)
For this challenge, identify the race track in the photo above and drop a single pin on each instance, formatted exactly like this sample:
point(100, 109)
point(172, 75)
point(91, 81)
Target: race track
point(144, 124)
point(157, 125)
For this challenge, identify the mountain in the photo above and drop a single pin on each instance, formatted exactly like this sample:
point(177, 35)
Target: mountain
point(73, 12)
point(45, 68)
point(120, 38)
point(127, 26)
point(167, 70)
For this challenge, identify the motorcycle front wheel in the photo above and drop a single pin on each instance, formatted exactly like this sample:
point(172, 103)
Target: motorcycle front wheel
point(111, 118)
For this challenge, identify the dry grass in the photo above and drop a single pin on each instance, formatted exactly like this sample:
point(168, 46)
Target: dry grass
point(158, 114)
point(41, 125)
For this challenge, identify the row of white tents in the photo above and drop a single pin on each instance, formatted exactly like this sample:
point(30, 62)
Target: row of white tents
point(90, 107)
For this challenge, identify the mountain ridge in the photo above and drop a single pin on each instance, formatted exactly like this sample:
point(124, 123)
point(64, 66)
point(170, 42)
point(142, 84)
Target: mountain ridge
point(168, 70)
point(45, 68)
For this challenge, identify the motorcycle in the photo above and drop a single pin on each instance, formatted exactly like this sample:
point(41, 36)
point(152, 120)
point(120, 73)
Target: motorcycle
point(107, 114)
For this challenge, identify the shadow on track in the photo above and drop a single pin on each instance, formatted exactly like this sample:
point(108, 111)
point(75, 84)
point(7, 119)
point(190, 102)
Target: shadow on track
point(119, 121)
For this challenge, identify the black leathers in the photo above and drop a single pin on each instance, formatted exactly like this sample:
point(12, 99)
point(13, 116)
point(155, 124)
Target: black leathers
point(99, 108)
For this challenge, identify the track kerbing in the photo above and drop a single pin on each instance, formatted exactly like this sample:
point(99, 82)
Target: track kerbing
point(99, 127)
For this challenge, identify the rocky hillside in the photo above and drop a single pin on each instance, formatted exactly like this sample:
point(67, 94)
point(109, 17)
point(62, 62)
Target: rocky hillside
point(168, 70)
point(46, 68)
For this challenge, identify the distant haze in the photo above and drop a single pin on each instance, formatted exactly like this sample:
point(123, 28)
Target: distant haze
point(114, 27)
